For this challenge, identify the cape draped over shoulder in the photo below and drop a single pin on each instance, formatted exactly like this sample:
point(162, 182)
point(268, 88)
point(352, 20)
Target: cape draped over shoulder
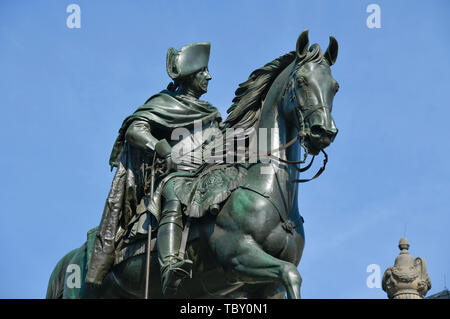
point(167, 111)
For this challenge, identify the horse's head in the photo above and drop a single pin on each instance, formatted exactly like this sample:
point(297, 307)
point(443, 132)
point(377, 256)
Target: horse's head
point(308, 96)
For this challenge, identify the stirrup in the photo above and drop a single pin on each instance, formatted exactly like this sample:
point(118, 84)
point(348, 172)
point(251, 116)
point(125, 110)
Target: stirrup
point(174, 275)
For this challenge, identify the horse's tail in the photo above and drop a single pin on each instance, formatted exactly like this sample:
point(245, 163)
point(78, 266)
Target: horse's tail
point(55, 287)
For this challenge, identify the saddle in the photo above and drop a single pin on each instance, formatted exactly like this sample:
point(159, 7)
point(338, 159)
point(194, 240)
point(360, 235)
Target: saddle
point(200, 195)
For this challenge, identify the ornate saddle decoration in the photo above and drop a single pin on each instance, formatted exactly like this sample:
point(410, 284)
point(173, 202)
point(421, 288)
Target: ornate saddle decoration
point(210, 189)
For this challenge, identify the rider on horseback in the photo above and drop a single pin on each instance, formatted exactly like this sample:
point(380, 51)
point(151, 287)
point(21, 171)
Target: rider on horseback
point(254, 241)
point(146, 131)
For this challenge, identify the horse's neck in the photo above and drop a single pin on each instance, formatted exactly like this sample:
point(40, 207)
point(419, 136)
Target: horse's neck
point(279, 133)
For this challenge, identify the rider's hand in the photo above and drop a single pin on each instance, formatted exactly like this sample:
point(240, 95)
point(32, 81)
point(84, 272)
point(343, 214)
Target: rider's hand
point(171, 166)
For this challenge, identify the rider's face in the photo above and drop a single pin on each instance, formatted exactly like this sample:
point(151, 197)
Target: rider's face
point(200, 80)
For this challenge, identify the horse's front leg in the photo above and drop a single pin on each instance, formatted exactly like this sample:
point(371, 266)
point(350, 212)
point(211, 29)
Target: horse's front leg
point(247, 236)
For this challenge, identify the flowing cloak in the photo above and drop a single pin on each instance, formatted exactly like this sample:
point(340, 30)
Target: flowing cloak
point(164, 112)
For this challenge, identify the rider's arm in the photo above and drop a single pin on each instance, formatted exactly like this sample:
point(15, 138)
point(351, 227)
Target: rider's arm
point(139, 135)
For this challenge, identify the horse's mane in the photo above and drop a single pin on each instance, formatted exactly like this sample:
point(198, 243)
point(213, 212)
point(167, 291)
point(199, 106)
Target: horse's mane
point(247, 103)
point(246, 107)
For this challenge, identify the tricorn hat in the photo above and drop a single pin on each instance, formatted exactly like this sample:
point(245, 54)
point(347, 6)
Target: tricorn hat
point(189, 59)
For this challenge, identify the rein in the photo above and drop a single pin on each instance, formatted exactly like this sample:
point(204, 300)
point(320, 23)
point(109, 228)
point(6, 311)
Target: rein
point(300, 123)
point(301, 170)
point(302, 133)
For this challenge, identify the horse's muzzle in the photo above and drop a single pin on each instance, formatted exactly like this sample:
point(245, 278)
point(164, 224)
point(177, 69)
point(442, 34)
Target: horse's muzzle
point(318, 138)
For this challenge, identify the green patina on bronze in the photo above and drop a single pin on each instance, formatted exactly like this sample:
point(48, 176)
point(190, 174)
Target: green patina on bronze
point(251, 246)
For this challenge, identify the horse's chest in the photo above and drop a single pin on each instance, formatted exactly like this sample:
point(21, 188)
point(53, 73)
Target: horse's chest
point(273, 184)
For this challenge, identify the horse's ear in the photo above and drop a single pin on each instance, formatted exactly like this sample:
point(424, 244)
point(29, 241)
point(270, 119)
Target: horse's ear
point(302, 44)
point(332, 51)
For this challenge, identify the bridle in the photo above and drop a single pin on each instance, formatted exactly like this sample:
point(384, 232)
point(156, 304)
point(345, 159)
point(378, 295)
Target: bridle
point(302, 133)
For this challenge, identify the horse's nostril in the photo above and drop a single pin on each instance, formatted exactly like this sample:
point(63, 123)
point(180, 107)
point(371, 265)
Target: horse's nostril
point(317, 130)
point(322, 135)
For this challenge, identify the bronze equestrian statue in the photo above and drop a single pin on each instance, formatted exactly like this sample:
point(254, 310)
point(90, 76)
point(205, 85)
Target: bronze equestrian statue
point(244, 233)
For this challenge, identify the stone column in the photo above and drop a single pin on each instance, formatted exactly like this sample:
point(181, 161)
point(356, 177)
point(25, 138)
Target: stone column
point(408, 278)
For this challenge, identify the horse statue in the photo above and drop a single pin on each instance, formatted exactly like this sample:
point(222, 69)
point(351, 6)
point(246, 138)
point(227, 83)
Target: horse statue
point(251, 248)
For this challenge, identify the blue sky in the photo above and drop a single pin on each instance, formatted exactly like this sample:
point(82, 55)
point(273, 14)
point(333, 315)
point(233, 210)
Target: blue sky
point(64, 93)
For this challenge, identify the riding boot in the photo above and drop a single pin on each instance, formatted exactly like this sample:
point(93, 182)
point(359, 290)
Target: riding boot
point(173, 268)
